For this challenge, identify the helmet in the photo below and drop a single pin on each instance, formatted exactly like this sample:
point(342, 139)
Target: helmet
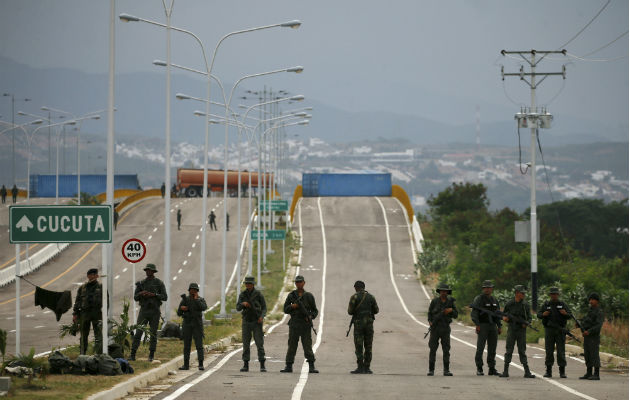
point(193, 286)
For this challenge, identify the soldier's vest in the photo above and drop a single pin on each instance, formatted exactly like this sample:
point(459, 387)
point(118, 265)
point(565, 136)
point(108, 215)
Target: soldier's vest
point(252, 313)
point(154, 286)
point(92, 296)
point(556, 319)
point(363, 310)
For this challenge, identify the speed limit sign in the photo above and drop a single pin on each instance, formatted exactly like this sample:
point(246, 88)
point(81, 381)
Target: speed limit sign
point(134, 250)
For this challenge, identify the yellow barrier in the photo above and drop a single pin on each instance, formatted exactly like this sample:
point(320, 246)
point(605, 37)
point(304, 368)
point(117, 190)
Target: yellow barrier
point(139, 196)
point(296, 196)
point(399, 193)
point(118, 193)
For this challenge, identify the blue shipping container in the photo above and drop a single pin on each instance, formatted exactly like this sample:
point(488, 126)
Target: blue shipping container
point(321, 185)
point(45, 185)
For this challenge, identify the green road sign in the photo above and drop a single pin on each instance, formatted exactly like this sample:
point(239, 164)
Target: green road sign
point(270, 235)
point(274, 205)
point(60, 224)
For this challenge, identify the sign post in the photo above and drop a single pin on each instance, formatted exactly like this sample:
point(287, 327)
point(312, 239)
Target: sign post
point(56, 224)
point(133, 250)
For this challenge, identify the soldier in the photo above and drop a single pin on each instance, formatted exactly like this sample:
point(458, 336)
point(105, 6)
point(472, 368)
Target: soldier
point(518, 308)
point(191, 308)
point(591, 325)
point(254, 308)
point(163, 189)
point(150, 293)
point(554, 314)
point(179, 219)
point(362, 307)
point(87, 310)
point(227, 221)
point(300, 304)
point(212, 220)
point(14, 193)
point(3, 193)
point(441, 312)
point(488, 327)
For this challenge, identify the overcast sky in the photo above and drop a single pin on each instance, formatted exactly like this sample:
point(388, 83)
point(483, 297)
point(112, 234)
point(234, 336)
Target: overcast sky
point(408, 56)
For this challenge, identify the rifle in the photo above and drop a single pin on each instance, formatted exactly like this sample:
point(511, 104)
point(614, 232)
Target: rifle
point(438, 319)
point(308, 316)
point(350, 326)
point(565, 331)
point(577, 323)
point(501, 314)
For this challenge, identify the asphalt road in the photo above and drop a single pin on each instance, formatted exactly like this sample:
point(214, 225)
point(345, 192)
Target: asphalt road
point(144, 221)
point(345, 239)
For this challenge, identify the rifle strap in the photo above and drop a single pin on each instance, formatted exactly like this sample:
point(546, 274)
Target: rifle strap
point(361, 302)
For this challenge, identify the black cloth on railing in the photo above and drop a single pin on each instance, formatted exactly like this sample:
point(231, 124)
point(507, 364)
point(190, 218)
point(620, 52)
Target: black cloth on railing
point(58, 302)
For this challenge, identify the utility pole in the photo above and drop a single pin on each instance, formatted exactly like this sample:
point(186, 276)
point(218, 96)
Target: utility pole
point(533, 119)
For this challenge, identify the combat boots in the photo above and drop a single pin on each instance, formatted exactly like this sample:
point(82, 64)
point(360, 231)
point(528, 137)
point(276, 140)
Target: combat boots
point(311, 368)
point(505, 373)
point(548, 372)
point(359, 369)
point(151, 355)
point(262, 366)
point(562, 373)
point(132, 356)
point(431, 369)
point(245, 366)
point(493, 371)
point(528, 373)
point(288, 368)
point(588, 374)
point(595, 376)
point(366, 368)
point(447, 371)
point(479, 371)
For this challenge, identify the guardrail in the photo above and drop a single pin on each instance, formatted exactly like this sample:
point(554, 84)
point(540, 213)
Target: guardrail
point(296, 196)
point(118, 193)
point(33, 263)
point(50, 251)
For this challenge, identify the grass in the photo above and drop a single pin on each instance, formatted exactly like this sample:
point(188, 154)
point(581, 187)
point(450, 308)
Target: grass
point(614, 338)
point(81, 386)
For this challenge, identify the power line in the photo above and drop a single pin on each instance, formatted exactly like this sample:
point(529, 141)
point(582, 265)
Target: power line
point(596, 59)
point(606, 45)
point(585, 26)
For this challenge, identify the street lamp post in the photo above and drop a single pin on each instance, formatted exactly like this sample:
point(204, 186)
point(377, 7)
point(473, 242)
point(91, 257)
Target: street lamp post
point(13, 100)
point(128, 18)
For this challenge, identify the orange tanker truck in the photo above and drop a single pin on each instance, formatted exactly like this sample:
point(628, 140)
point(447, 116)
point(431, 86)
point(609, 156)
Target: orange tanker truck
point(190, 181)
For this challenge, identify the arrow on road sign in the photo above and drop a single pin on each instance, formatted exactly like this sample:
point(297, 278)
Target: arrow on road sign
point(24, 224)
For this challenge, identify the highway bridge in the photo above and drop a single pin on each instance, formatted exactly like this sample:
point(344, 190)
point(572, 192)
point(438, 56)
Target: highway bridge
point(343, 239)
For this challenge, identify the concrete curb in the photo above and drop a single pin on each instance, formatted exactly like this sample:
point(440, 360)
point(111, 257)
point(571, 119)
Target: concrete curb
point(122, 389)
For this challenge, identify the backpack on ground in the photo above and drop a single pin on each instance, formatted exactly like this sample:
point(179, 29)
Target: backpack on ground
point(125, 367)
point(59, 363)
point(107, 365)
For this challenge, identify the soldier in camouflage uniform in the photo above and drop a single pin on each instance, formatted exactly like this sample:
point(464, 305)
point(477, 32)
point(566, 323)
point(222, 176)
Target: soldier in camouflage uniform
point(300, 324)
point(554, 315)
point(518, 308)
point(254, 308)
point(191, 308)
point(441, 311)
point(591, 325)
point(150, 293)
point(88, 311)
point(488, 328)
point(362, 307)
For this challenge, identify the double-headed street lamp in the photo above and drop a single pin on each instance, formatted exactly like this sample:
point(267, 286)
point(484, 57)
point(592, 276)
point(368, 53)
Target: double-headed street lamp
point(167, 252)
point(91, 115)
point(13, 100)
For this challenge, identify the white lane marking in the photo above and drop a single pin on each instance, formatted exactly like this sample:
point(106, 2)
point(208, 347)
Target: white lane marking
point(193, 245)
point(150, 236)
point(299, 387)
point(125, 269)
point(39, 326)
point(154, 229)
point(577, 359)
point(185, 262)
point(180, 271)
point(161, 222)
point(117, 276)
point(174, 278)
point(46, 312)
point(402, 302)
point(30, 315)
point(189, 253)
point(197, 237)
